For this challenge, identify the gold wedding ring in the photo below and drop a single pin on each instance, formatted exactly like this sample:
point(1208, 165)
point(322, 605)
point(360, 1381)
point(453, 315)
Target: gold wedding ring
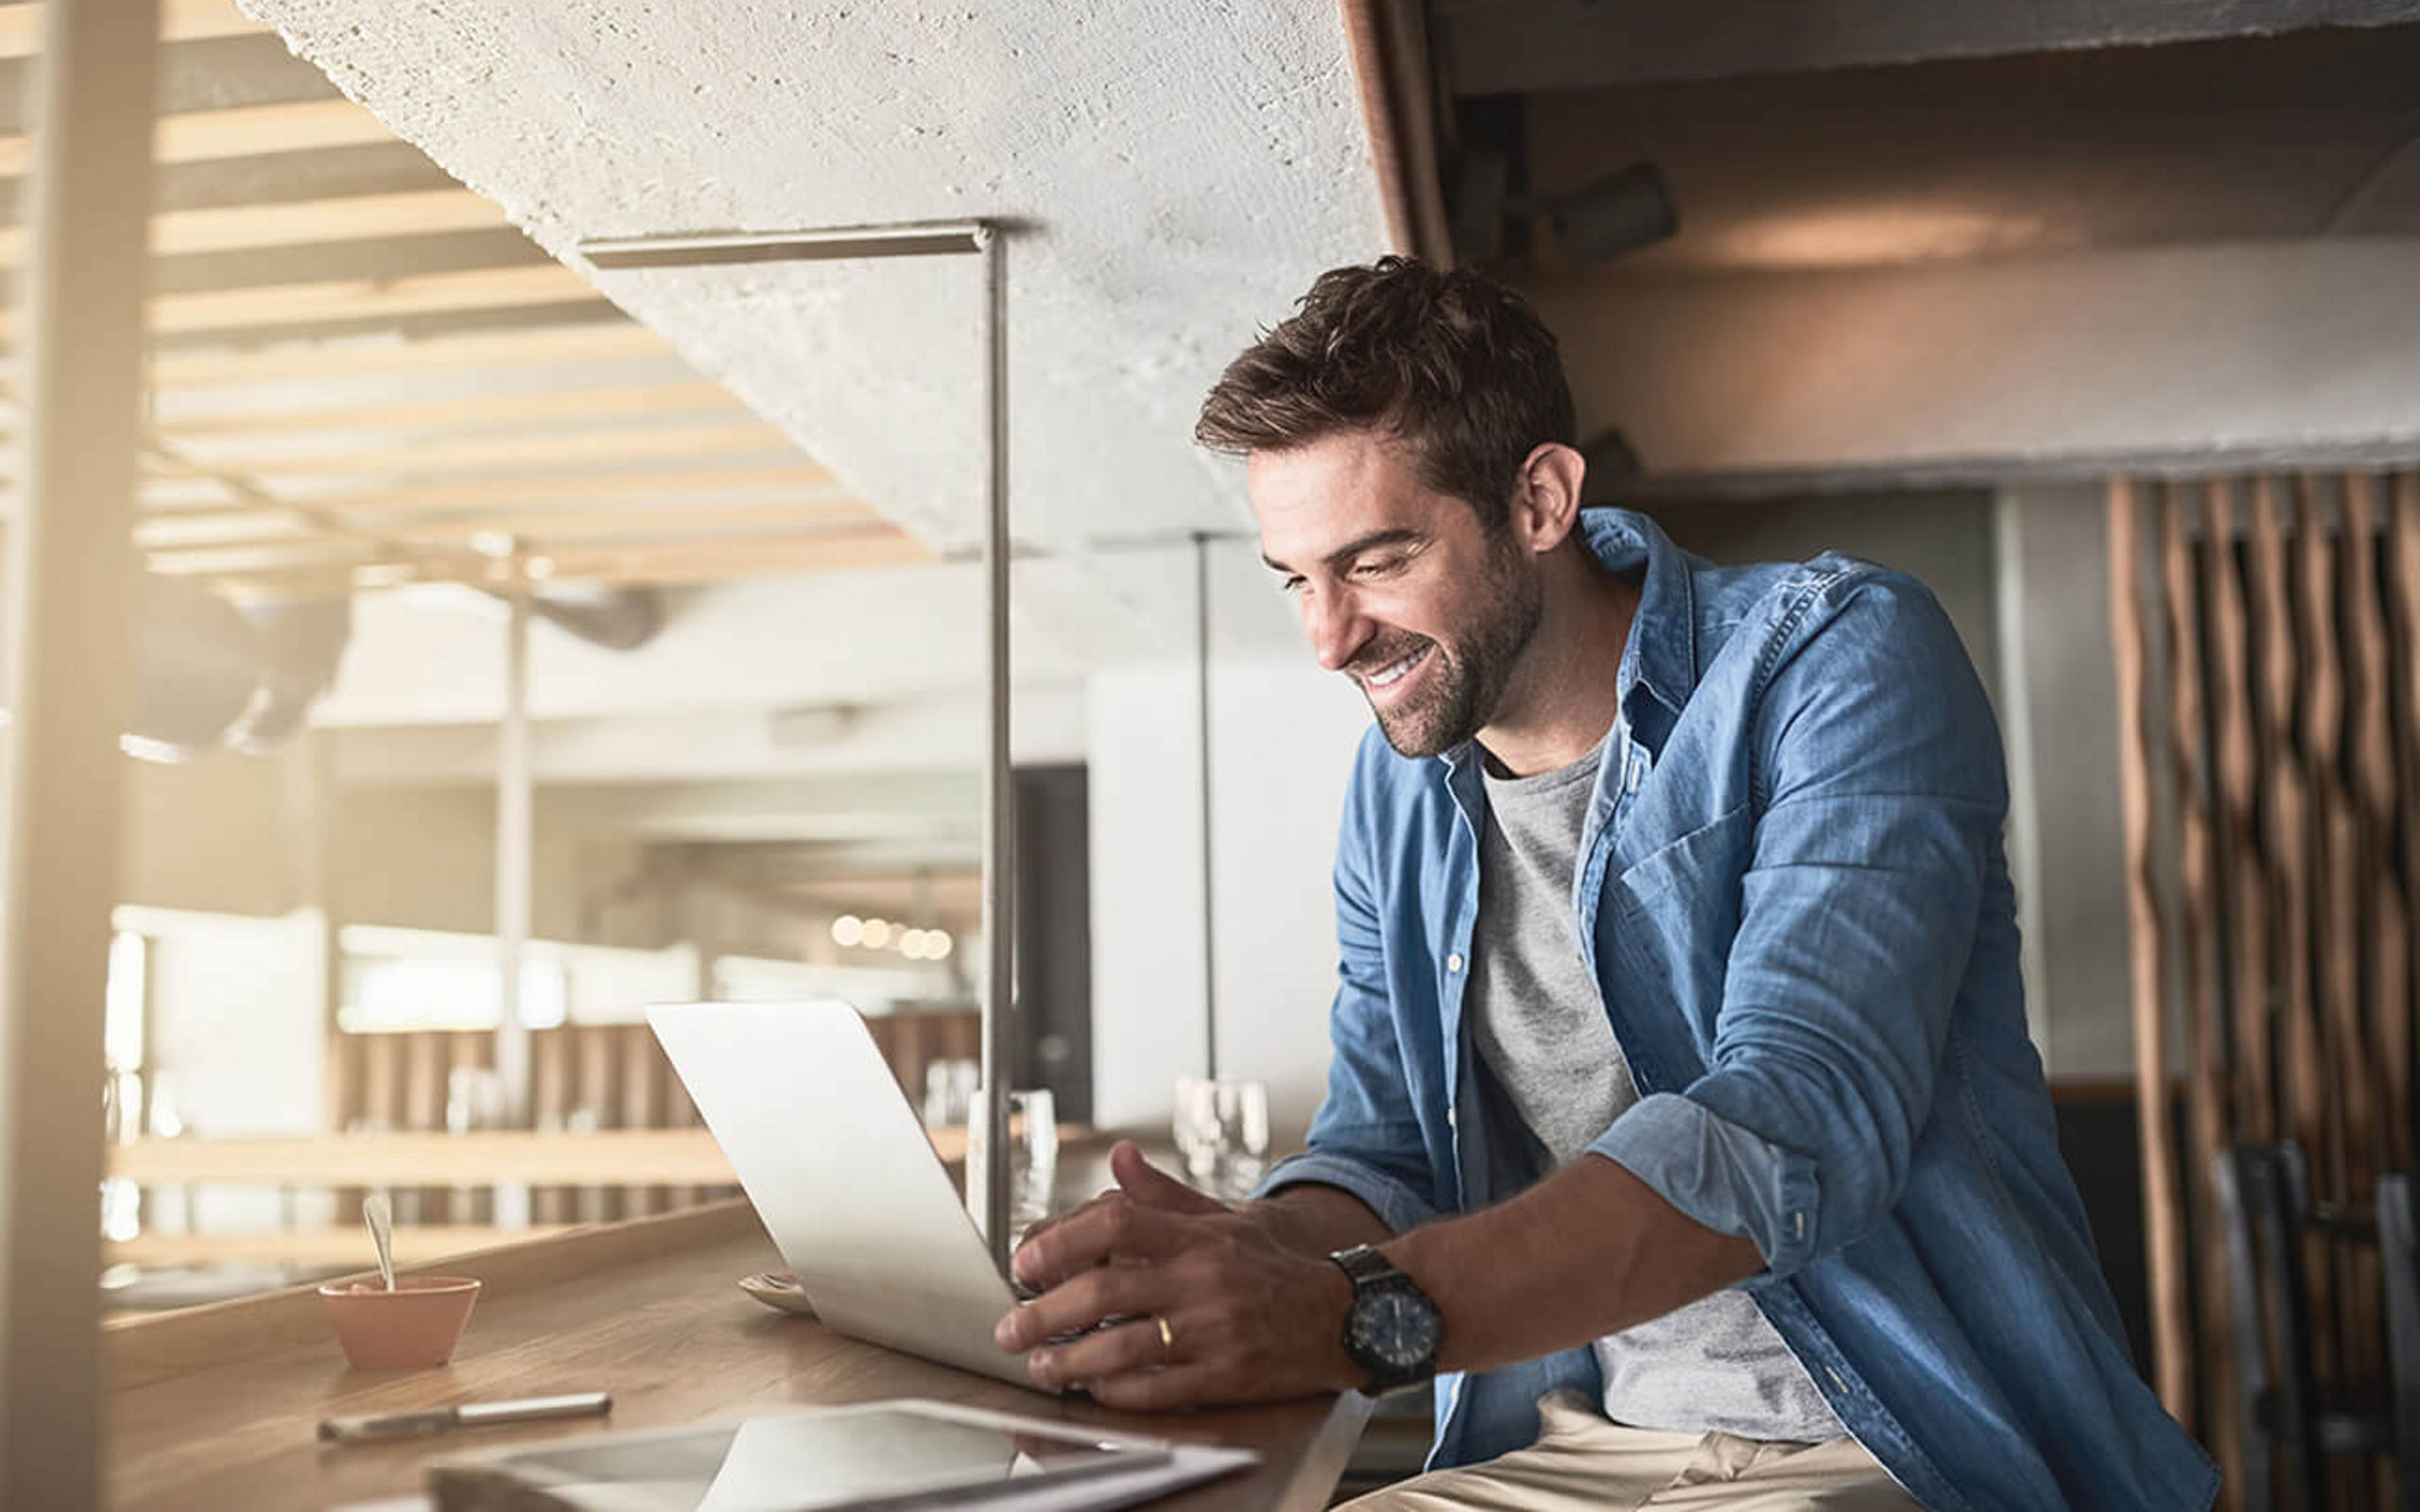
point(1168, 1335)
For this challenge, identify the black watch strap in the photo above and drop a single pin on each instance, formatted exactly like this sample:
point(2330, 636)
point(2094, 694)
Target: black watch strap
point(1363, 1263)
point(1373, 1275)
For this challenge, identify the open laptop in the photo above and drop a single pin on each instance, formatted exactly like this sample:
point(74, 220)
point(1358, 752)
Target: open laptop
point(839, 1168)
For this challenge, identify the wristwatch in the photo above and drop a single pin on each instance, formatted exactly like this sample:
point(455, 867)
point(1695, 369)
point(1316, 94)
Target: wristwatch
point(1392, 1330)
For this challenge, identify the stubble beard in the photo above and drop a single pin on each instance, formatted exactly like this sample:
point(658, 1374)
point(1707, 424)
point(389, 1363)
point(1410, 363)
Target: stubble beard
point(1471, 673)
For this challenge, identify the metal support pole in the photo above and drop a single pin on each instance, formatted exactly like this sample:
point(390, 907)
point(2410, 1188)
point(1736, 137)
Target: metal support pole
point(927, 239)
point(69, 603)
point(1201, 733)
point(513, 843)
point(513, 865)
point(999, 921)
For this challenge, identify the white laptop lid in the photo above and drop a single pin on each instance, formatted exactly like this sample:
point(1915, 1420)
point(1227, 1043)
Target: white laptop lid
point(837, 1165)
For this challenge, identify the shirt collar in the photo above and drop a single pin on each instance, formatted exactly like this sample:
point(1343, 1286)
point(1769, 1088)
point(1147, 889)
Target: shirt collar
point(1662, 656)
point(1661, 660)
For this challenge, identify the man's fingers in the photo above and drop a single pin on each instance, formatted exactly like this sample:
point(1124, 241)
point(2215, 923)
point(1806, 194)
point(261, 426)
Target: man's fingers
point(1112, 1227)
point(1025, 1264)
point(1154, 1188)
point(1113, 1352)
point(1098, 1294)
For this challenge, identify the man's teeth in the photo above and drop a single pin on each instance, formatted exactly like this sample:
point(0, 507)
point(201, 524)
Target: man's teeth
point(1379, 680)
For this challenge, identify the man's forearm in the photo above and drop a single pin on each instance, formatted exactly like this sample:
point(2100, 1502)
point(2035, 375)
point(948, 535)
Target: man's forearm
point(1316, 1219)
point(1588, 1252)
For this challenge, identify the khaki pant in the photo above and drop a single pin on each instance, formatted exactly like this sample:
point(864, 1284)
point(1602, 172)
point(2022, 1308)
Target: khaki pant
point(1583, 1463)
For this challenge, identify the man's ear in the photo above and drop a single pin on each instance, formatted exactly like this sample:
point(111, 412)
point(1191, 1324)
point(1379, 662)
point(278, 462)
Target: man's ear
point(1546, 500)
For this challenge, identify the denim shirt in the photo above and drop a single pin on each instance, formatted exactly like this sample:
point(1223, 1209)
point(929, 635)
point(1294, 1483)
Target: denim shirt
point(1794, 898)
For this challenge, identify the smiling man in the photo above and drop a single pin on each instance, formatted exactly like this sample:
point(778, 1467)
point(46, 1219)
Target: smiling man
point(1682, 1124)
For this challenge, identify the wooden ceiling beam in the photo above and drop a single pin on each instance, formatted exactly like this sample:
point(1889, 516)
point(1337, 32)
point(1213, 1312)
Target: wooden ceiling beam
point(588, 341)
point(180, 20)
point(304, 223)
point(242, 131)
point(536, 529)
point(661, 563)
point(485, 453)
point(544, 488)
point(356, 299)
point(472, 411)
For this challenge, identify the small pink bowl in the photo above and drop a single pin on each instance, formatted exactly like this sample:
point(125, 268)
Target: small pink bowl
point(411, 1327)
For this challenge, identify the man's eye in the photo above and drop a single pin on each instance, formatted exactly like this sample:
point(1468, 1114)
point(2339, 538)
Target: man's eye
point(1292, 584)
point(1380, 567)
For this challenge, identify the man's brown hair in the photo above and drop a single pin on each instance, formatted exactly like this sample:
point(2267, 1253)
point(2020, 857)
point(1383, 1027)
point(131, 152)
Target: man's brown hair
point(1458, 369)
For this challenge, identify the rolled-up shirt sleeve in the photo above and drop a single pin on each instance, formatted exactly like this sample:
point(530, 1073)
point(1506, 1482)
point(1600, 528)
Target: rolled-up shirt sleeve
point(1878, 796)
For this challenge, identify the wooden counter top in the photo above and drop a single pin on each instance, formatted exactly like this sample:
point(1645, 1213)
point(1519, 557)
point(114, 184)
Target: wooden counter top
point(216, 1406)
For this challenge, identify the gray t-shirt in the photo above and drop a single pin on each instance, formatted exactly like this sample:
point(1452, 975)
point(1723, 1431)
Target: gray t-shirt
point(1538, 1021)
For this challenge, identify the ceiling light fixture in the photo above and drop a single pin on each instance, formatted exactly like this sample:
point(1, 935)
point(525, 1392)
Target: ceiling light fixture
point(1603, 219)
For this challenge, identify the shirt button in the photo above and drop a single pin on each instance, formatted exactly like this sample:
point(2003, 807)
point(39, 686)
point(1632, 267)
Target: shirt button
point(1451, 1121)
point(1454, 962)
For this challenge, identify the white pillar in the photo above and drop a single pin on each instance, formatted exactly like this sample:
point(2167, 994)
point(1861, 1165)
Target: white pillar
point(69, 606)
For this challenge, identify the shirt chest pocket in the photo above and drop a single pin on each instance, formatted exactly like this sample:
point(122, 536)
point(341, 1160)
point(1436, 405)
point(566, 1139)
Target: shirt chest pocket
point(1666, 929)
point(1689, 872)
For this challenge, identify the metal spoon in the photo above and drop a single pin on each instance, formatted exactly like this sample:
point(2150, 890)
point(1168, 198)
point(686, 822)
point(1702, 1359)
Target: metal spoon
point(380, 1215)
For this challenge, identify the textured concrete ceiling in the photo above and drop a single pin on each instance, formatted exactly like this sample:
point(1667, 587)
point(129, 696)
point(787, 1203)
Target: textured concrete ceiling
point(1177, 172)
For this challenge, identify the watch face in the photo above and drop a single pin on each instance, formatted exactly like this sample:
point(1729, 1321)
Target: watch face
point(1396, 1327)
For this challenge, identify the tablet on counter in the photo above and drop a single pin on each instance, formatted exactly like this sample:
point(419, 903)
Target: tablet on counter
point(881, 1455)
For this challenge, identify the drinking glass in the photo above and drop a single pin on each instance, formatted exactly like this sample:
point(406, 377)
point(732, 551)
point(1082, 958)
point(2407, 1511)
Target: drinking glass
point(1033, 1159)
point(950, 1091)
point(1221, 1131)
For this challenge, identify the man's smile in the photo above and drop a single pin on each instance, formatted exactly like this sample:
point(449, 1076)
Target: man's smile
point(1385, 684)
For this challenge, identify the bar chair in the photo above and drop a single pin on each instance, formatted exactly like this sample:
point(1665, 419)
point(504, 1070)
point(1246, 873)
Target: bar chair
point(2290, 1421)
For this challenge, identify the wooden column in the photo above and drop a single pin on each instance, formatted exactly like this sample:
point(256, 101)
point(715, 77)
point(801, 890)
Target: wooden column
point(2244, 887)
point(69, 606)
point(2205, 1038)
point(2404, 557)
point(2384, 965)
point(2163, 1217)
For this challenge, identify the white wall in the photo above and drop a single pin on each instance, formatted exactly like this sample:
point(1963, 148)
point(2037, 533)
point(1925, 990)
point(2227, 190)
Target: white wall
point(2066, 834)
point(235, 1039)
point(1284, 735)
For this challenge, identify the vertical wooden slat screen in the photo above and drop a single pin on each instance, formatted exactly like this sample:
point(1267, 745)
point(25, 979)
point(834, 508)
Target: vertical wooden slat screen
point(2384, 966)
point(2163, 1223)
point(2403, 559)
point(2268, 684)
point(2205, 1056)
point(2245, 923)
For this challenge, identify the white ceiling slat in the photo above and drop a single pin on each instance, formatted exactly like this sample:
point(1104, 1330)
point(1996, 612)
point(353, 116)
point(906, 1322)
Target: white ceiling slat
point(161, 534)
point(301, 222)
point(485, 410)
point(180, 20)
point(550, 488)
point(589, 341)
point(244, 131)
point(487, 451)
point(357, 298)
point(342, 564)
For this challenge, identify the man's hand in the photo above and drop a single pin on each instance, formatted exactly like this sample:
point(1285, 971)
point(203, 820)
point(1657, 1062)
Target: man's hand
point(1215, 1307)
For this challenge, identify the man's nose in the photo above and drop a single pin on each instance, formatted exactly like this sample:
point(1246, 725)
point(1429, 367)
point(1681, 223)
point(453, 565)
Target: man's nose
point(1336, 626)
